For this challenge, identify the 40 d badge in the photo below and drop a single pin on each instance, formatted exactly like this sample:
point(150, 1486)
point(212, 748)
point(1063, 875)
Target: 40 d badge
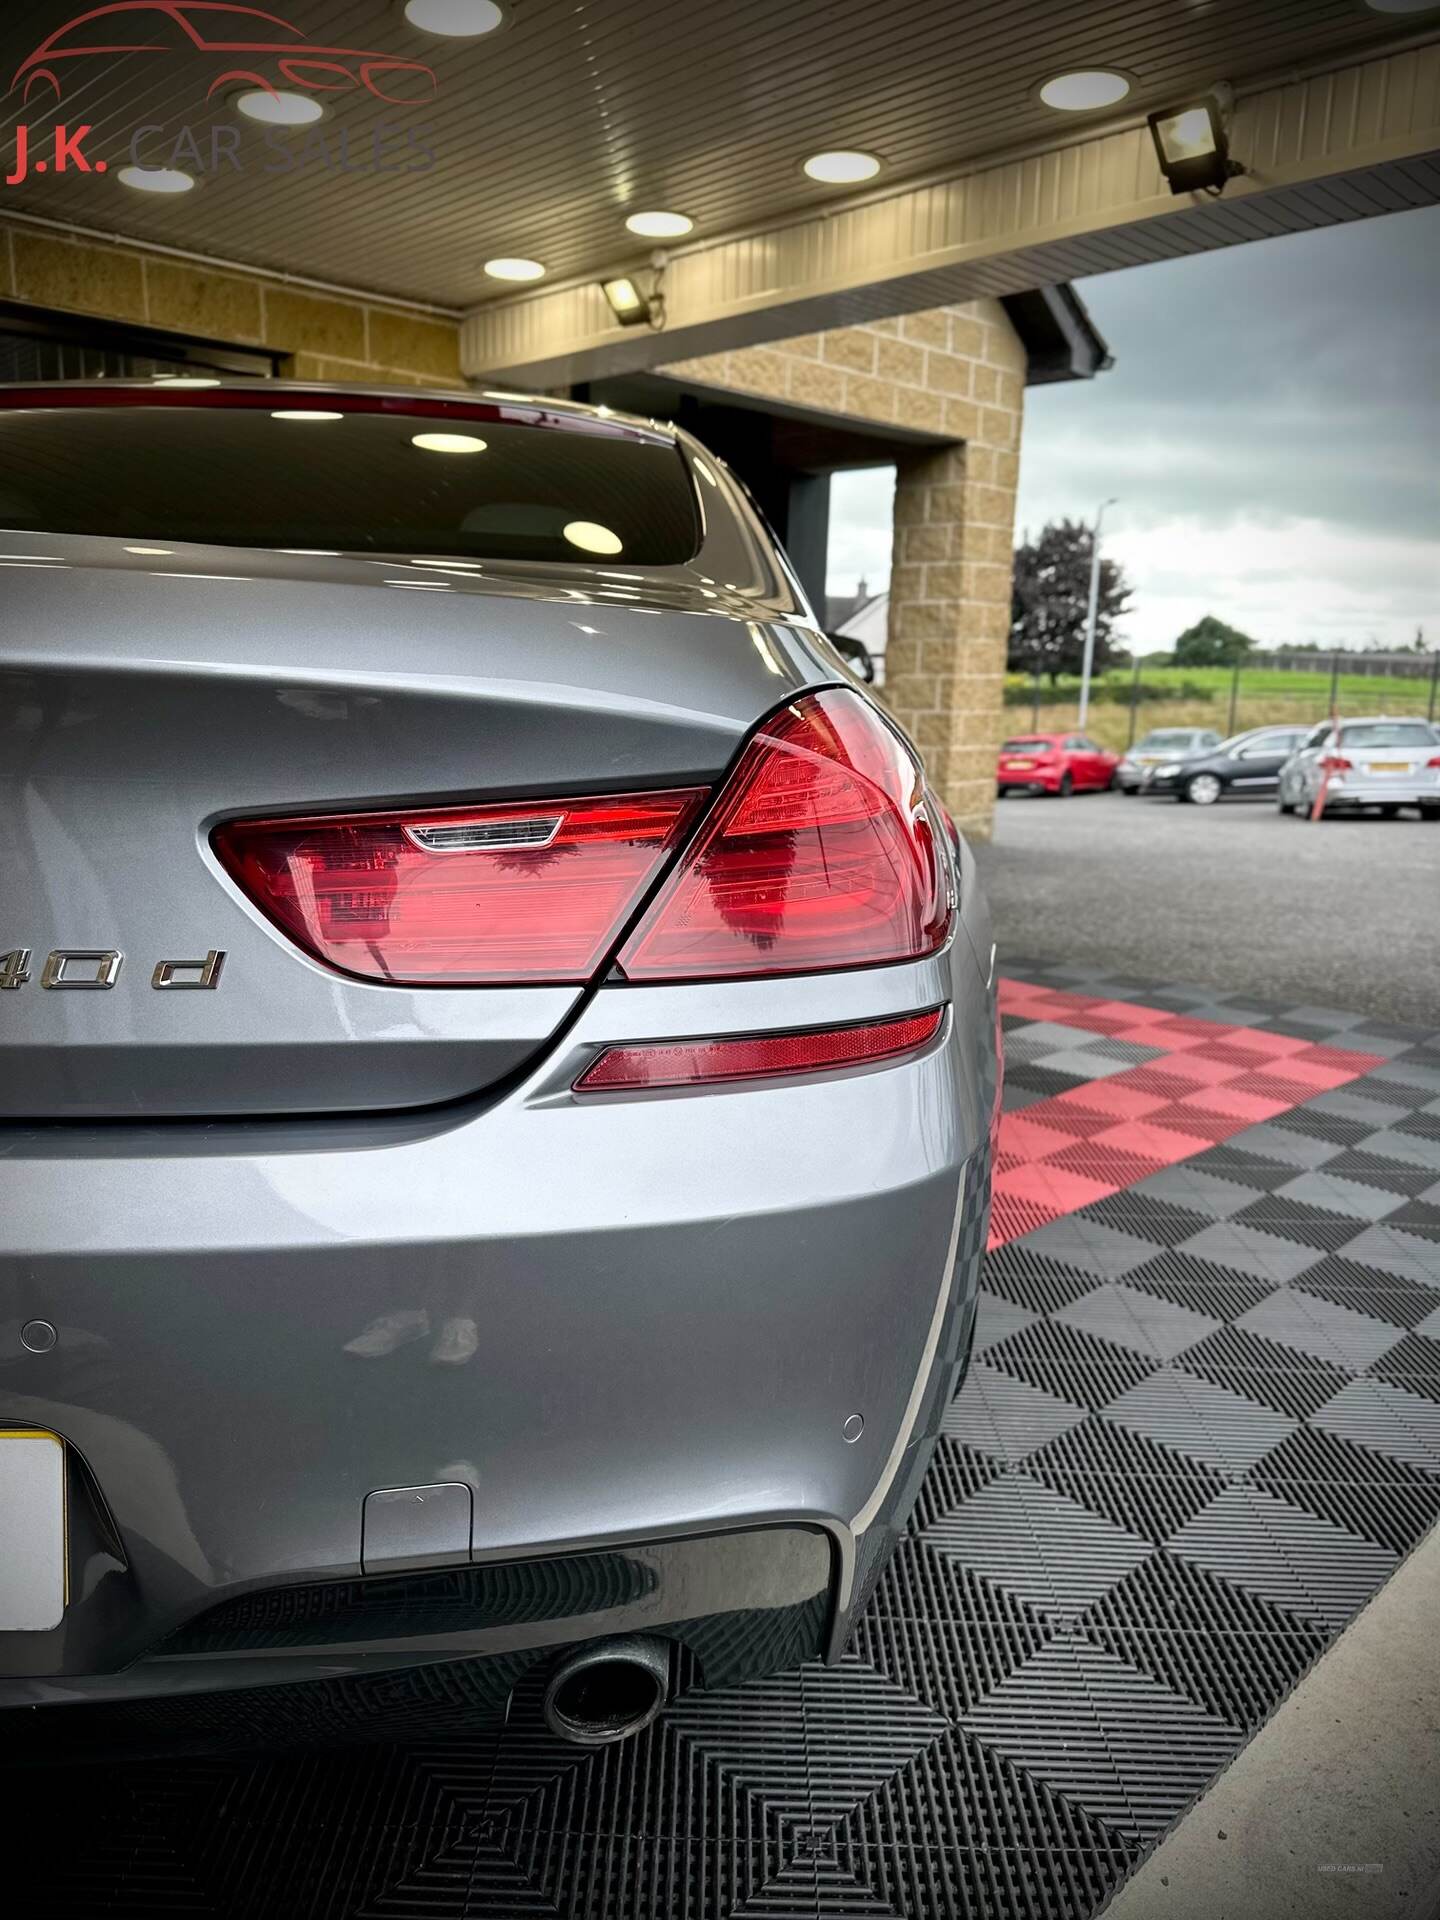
point(94, 969)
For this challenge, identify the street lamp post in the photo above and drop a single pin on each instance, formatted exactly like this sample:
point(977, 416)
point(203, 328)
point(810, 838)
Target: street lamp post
point(1089, 663)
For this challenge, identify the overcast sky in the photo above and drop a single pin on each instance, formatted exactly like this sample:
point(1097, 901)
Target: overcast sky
point(1271, 428)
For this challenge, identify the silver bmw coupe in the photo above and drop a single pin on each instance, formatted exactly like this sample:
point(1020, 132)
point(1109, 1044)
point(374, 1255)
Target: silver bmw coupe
point(499, 1066)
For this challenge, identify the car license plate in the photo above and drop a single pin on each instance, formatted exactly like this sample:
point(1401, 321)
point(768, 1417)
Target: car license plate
point(32, 1527)
point(1018, 766)
point(1389, 766)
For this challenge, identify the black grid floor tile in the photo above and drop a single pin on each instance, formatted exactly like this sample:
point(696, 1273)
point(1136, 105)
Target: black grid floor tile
point(1201, 1427)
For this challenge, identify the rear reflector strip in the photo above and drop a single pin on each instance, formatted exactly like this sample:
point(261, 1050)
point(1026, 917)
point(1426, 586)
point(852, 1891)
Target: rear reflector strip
point(755, 1056)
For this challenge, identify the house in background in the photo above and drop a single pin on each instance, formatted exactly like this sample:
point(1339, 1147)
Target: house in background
point(867, 622)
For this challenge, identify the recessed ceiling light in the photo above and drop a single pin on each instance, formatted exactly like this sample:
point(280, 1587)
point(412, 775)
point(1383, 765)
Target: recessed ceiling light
point(1083, 91)
point(279, 109)
point(506, 268)
point(842, 167)
point(185, 380)
point(303, 413)
point(660, 226)
point(156, 179)
point(458, 18)
point(447, 443)
point(591, 537)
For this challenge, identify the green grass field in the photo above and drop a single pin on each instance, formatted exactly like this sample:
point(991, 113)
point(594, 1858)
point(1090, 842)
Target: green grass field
point(1201, 697)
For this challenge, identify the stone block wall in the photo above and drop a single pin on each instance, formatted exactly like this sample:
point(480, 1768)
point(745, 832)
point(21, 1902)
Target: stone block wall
point(959, 372)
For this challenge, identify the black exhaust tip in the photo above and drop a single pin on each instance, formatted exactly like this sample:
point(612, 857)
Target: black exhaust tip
point(609, 1690)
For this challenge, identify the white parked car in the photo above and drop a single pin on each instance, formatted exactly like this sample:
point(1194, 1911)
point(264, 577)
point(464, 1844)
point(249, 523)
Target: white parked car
point(1378, 762)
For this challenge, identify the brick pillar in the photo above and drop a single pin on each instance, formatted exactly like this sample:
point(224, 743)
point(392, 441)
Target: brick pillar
point(950, 612)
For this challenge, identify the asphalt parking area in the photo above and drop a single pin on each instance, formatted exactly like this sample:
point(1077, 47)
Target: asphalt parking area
point(1343, 914)
point(1201, 1429)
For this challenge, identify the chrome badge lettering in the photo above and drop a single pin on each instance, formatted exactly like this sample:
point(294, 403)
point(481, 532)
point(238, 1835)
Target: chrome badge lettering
point(92, 969)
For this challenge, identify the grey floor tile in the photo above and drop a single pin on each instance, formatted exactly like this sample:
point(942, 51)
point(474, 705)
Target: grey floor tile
point(1250, 1250)
point(1285, 1554)
point(1318, 1188)
point(1141, 1321)
point(1048, 1036)
point(997, 1318)
point(1093, 1066)
point(1209, 1423)
point(1337, 1335)
point(1090, 1245)
point(1386, 1419)
point(1405, 1072)
point(1413, 1148)
point(1004, 1417)
point(1037, 1544)
point(1367, 1106)
point(1122, 1744)
point(1394, 1251)
point(1188, 1185)
point(1280, 1143)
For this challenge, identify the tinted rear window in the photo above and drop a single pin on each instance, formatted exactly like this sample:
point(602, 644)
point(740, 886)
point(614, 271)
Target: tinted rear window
point(1026, 740)
point(1180, 737)
point(236, 476)
point(1388, 733)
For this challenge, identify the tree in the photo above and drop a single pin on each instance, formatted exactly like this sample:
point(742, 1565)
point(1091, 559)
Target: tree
point(1050, 597)
point(1211, 643)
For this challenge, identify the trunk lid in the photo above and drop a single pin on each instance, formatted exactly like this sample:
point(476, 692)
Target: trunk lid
point(144, 698)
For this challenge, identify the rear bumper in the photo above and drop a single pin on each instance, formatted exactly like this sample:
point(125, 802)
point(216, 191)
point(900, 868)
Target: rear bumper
point(1347, 791)
point(1042, 780)
point(646, 1319)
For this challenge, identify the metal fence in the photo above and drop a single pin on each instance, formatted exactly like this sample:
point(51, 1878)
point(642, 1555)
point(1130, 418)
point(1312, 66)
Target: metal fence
point(1297, 689)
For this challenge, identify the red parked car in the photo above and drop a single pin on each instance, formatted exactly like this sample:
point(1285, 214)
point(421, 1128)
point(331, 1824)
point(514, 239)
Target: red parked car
point(1054, 763)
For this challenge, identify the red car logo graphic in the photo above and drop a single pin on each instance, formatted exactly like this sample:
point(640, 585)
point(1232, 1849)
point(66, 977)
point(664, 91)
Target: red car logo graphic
point(252, 49)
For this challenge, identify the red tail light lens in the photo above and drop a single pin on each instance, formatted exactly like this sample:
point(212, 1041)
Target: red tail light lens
point(1336, 763)
point(462, 896)
point(689, 1063)
point(819, 854)
point(1434, 760)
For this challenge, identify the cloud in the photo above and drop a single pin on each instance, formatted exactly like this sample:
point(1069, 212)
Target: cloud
point(1283, 580)
point(1272, 430)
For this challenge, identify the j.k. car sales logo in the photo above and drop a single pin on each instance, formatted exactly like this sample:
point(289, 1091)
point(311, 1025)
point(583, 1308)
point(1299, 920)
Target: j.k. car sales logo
point(242, 51)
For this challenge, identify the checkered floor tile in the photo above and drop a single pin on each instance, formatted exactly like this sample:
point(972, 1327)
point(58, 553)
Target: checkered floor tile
point(1201, 1427)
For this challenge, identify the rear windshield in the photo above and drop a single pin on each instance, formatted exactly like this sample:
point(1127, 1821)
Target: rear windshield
point(1388, 733)
point(1027, 740)
point(1175, 737)
point(448, 483)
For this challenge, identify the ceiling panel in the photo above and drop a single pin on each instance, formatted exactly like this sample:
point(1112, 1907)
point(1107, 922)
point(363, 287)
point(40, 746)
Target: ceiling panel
point(546, 134)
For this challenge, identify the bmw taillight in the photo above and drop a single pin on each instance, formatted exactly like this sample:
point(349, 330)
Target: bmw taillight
point(820, 853)
point(461, 896)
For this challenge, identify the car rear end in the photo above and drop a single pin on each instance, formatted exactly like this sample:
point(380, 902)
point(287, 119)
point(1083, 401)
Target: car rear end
point(500, 1065)
point(1030, 763)
point(1168, 744)
point(1382, 763)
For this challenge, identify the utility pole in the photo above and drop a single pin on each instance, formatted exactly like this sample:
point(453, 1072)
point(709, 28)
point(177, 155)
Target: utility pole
point(1086, 669)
